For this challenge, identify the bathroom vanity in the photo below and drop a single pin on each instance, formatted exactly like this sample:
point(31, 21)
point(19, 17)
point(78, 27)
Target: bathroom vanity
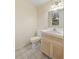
point(52, 44)
point(52, 40)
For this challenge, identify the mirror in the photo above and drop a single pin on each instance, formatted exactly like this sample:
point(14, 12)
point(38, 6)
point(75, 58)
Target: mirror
point(56, 18)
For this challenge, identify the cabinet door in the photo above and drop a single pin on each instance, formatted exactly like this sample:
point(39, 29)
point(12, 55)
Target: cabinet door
point(45, 46)
point(58, 50)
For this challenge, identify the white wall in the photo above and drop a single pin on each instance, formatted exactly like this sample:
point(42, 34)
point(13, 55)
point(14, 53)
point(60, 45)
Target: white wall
point(26, 21)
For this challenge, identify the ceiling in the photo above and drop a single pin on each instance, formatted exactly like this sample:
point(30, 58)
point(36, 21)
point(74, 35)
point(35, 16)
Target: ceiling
point(39, 2)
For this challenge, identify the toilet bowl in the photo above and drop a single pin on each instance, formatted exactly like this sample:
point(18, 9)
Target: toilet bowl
point(35, 40)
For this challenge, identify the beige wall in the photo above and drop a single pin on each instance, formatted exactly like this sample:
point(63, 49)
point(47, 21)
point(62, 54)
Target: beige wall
point(26, 21)
point(43, 16)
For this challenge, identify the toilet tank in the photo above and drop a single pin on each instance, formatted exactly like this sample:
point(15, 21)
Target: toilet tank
point(39, 33)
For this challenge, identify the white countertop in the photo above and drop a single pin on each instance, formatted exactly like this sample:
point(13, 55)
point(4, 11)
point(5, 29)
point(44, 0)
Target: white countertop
point(54, 32)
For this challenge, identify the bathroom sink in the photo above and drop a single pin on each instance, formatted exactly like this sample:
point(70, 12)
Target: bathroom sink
point(54, 31)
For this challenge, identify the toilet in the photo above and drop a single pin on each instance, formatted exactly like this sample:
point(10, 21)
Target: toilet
point(35, 39)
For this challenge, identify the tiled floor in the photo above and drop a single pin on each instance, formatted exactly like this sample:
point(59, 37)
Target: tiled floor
point(29, 53)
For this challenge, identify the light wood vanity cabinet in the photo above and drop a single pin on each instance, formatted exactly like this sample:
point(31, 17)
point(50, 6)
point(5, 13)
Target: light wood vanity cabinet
point(45, 43)
point(52, 46)
point(58, 50)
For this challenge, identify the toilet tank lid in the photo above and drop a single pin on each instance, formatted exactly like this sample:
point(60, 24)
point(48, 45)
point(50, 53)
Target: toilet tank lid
point(34, 39)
